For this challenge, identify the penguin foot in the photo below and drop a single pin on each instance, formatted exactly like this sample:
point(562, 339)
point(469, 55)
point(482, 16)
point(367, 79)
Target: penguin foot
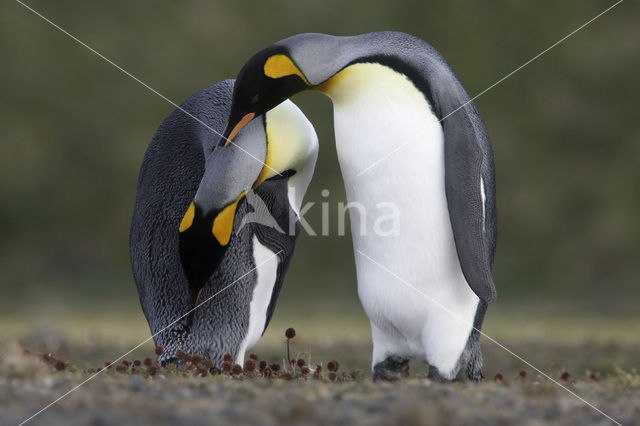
point(167, 361)
point(391, 369)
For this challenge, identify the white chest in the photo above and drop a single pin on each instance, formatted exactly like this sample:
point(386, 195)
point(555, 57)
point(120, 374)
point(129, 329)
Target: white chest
point(391, 151)
point(266, 274)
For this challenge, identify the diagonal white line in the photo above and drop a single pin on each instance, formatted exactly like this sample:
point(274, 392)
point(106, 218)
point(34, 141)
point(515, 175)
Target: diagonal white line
point(487, 336)
point(533, 59)
point(145, 85)
point(398, 148)
point(497, 82)
point(381, 266)
point(146, 340)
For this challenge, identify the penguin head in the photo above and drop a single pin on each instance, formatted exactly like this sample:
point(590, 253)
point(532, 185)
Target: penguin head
point(280, 144)
point(229, 172)
point(266, 80)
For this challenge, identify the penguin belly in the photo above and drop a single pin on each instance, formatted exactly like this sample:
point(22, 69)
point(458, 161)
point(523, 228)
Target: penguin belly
point(266, 262)
point(391, 151)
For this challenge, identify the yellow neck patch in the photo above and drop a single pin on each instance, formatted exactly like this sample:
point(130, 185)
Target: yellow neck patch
point(187, 220)
point(278, 66)
point(357, 80)
point(223, 223)
point(288, 144)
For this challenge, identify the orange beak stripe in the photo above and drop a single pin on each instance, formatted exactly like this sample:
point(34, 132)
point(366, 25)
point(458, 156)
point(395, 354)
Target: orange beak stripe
point(198, 297)
point(245, 120)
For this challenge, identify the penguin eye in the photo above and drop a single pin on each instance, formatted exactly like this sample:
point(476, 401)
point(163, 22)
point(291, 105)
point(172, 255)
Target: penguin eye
point(255, 99)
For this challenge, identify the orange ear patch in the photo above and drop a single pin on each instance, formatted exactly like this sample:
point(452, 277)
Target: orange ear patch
point(223, 223)
point(187, 220)
point(278, 66)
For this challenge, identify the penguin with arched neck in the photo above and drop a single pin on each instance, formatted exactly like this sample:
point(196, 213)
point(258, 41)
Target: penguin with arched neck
point(407, 133)
point(215, 227)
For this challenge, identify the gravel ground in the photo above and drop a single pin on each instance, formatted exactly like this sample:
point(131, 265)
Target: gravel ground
point(27, 384)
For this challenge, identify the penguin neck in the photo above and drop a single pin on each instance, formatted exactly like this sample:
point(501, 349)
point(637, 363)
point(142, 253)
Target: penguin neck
point(365, 79)
point(292, 145)
point(376, 110)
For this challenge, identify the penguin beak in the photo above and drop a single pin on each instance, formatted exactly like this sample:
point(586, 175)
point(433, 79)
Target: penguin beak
point(243, 122)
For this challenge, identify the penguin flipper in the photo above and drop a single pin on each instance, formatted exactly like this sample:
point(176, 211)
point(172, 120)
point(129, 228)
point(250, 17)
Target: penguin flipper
point(470, 190)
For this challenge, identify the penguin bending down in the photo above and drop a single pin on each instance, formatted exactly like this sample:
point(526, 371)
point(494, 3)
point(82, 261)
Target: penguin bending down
point(218, 225)
point(408, 134)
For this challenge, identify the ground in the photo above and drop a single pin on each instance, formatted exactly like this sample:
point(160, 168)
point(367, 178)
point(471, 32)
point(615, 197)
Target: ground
point(595, 357)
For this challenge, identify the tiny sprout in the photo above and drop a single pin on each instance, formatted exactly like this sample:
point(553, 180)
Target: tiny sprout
point(159, 350)
point(290, 333)
point(267, 372)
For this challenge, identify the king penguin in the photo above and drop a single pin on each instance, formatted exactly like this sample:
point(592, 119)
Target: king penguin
point(407, 133)
point(214, 227)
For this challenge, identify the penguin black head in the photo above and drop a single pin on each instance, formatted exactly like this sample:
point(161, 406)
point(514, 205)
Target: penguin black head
point(206, 227)
point(279, 144)
point(265, 81)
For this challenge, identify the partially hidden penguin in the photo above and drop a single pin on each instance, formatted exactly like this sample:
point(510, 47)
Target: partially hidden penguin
point(214, 227)
point(407, 134)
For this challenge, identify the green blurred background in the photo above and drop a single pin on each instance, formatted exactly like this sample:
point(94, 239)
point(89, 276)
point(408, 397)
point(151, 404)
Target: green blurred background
point(565, 131)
